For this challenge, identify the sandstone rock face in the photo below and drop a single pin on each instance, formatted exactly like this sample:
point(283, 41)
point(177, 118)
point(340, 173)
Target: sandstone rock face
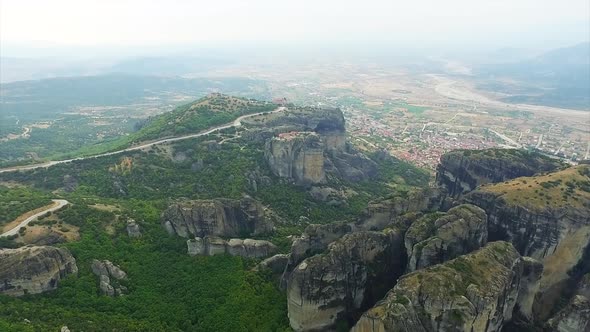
point(218, 217)
point(475, 292)
point(212, 245)
point(298, 156)
point(308, 144)
point(109, 276)
point(355, 270)
point(556, 236)
point(461, 171)
point(438, 237)
point(353, 166)
point(575, 316)
point(381, 213)
point(324, 121)
point(276, 263)
point(316, 238)
point(32, 270)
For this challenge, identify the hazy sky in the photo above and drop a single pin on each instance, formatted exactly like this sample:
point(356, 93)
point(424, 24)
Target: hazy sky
point(157, 22)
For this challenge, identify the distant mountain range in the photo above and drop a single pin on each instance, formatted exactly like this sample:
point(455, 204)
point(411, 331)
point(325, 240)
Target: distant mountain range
point(559, 77)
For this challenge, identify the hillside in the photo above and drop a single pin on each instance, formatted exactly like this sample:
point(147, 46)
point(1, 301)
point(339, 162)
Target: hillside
point(209, 111)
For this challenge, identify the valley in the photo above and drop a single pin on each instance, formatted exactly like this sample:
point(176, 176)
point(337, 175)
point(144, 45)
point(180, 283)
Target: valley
point(255, 208)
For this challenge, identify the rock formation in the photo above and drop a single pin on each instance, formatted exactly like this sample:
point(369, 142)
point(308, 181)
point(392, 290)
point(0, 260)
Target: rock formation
point(308, 144)
point(438, 237)
point(546, 217)
point(353, 273)
point(133, 229)
point(382, 212)
point(212, 245)
point(32, 270)
point(461, 171)
point(298, 156)
point(575, 316)
point(276, 264)
point(474, 292)
point(218, 217)
point(109, 276)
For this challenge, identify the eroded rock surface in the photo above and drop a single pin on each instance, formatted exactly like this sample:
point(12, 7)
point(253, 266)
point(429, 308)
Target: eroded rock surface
point(306, 145)
point(298, 156)
point(109, 275)
point(546, 217)
point(438, 237)
point(35, 269)
point(353, 273)
point(276, 263)
point(474, 292)
point(461, 171)
point(218, 217)
point(212, 245)
point(575, 316)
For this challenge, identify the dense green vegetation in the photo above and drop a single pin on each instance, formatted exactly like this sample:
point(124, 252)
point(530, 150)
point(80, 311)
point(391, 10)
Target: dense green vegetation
point(18, 200)
point(168, 290)
point(204, 113)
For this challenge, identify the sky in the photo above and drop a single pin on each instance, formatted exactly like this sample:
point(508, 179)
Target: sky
point(149, 23)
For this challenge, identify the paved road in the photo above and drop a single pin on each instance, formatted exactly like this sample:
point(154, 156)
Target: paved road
point(60, 203)
point(236, 123)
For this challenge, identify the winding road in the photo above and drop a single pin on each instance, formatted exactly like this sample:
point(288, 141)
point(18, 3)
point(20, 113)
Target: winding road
point(236, 123)
point(60, 203)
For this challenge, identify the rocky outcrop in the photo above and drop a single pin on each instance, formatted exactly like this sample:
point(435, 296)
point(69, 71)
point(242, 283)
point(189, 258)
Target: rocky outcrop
point(540, 220)
point(575, 316)
point(298, 156)
point(109, 277)
point(438, 237)
point(32, 270)
point(353, 166)
point(212, 245)
point(308, 144)
point(276, 264)
point(133, 229)
point(461, 171)
point(353, 273)
point(218, 217)
point(474, 292)
point(316, 238)
point(328, 122)
point(382, 212)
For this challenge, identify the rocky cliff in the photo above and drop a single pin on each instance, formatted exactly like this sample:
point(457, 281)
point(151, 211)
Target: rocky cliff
point(298, 156)
point(307, 144)
point(546, 217)
point(461, 171)
point(438, 237)
point(32, 270)
point(380, 213)
point(218, 217)
point(212, 245)
point(575, 316)
point(353, 273)
point(475, 292)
